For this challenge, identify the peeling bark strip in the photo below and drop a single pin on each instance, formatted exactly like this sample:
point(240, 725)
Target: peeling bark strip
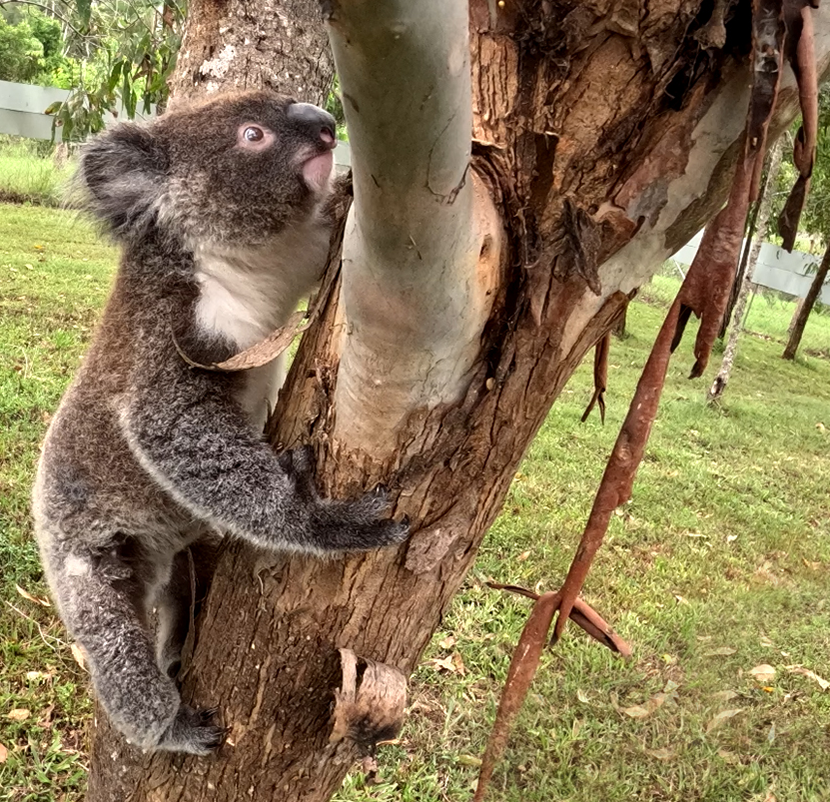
point(708, 285)
point(801, 53)
point(600, 378)
point(525, 662)
point(369, 707)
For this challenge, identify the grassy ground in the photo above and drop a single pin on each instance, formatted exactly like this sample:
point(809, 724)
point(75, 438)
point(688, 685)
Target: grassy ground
point(718, 565)
point(25, 176)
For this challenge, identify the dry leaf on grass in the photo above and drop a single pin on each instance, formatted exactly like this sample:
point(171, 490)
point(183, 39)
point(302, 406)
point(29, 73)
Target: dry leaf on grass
point(663, 753)
point(78, 654)
point(722, 651)
point(41, 600)
point(805, 672)
point(724, 715)
point(448, 642)
point(4, 754)
point(641, 711)
point(19, 714)
point(763, 673)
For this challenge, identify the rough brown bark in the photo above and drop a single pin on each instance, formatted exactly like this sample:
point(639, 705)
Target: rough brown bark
point(804, 310)
point(242, 44)
point(584, 118)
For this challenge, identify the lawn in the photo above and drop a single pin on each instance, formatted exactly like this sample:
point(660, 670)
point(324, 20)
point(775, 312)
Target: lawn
point(718, 565)
point(25, 176)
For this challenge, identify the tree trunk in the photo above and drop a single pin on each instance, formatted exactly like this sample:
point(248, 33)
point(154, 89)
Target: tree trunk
point(242, 44)
point(604, 143)
point(760, 225)
point(799, 305)
point(809, 302)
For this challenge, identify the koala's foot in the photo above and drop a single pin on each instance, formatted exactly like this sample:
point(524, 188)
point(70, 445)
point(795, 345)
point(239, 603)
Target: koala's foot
point(193, 731)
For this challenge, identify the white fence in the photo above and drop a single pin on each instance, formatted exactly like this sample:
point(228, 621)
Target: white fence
point(775, 269)
point(21, 109)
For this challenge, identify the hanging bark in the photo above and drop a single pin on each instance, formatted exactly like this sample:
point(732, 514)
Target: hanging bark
point(764, 206)
point(739, 276)
point(604, 142)
point(804, 310)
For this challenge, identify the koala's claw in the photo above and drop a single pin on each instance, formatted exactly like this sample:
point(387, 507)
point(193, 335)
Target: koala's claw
point(193, 731)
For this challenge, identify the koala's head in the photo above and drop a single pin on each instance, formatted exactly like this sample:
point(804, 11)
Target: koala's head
point(236, 168)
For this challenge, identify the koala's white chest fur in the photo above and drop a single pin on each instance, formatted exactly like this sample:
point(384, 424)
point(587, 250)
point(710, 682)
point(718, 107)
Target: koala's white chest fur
point(247, 292)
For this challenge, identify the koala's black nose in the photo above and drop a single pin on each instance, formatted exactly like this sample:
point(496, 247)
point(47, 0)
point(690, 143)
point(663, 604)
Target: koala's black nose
point(313, 120)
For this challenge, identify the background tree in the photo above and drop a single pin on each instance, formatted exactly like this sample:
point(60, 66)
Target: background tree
point(601, 143)
point(815, 221)
point(31, 47)
point(803, 309)
point(114, 57)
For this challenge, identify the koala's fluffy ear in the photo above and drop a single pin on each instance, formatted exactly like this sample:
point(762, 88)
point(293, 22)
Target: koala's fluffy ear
point(124, 173)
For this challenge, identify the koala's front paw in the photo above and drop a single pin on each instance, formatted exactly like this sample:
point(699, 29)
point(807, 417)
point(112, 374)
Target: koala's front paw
point(337, 526)
point(193, 731)
point(359, 525)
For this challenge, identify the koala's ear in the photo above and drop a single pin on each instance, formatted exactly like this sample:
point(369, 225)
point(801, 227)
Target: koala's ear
point(124, 173)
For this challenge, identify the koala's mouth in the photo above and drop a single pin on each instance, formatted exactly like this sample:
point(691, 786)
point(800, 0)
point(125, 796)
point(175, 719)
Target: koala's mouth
point(317, 169)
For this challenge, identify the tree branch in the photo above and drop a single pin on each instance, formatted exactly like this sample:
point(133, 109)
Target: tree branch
point(414, 295)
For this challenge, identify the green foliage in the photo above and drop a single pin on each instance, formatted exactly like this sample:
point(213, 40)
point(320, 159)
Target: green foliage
point(21, 53)
point(123, 55)
point(718, 564)
point(815, 219)
point(31, 47)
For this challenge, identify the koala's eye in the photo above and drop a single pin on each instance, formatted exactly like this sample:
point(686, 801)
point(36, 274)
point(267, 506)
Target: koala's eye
point(254, 137)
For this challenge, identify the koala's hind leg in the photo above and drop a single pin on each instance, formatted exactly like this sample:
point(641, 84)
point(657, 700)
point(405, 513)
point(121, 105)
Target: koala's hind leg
point(189, 581)
point(102, 600)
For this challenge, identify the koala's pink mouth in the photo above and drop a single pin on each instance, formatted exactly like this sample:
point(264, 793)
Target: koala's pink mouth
point(317, 169)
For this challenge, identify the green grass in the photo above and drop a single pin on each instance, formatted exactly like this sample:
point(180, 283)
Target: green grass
point(28, 177)
point(719, 563)
point(53, 280)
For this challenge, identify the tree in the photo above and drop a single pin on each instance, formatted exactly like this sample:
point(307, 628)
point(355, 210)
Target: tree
point(112, 56)
point(470, 292)
point(815, 220)
point(804, 309)
point(29, 48)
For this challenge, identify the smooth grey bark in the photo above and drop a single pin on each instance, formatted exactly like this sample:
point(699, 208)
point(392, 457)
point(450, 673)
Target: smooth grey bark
point(413, 296)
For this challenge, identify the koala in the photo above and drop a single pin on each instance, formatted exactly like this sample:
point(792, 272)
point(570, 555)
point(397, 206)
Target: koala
point(219, 211)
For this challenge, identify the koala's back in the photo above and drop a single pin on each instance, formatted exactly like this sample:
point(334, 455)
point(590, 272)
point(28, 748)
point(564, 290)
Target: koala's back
point(91, 489)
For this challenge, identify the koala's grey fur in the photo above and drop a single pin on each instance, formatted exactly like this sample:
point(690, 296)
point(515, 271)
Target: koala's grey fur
point(221, 237)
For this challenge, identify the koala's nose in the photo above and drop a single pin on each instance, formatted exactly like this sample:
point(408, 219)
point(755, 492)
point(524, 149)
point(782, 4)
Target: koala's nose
point(313, 120)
